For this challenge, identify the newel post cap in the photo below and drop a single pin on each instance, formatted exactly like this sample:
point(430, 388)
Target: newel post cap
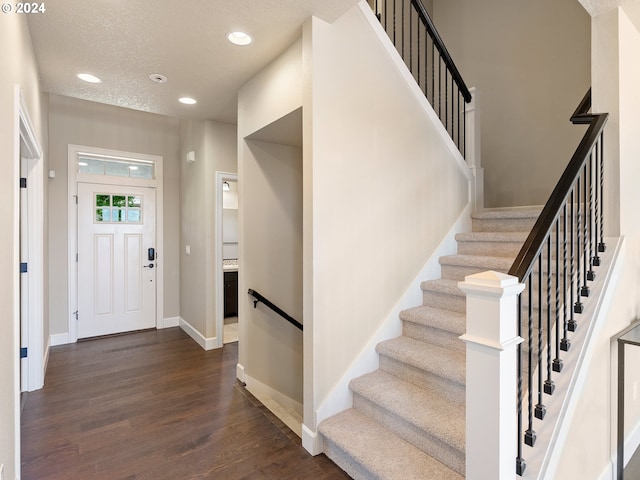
point(491, 284)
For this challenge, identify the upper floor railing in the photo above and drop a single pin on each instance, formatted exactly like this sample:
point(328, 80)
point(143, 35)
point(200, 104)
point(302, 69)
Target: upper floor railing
point(414, 35)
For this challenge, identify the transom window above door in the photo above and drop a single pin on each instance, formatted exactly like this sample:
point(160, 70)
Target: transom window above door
point(95, 164)
point(118, 208)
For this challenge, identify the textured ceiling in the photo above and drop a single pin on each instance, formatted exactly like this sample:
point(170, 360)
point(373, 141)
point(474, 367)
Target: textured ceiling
point(630, 7)
point(125, 41)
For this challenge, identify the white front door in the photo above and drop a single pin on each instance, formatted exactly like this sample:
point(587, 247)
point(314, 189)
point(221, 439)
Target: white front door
point(116, 259)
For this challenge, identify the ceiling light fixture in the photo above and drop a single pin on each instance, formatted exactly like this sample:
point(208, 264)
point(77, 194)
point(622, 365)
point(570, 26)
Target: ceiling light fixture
point(187, 100)
point(87, 77)
point(158, 78)
point(239, 38)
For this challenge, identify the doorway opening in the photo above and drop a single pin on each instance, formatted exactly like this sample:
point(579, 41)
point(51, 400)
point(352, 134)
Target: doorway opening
point(227, 262)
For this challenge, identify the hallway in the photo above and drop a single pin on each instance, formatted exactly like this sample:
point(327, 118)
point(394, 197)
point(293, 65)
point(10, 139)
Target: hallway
point(155, 405)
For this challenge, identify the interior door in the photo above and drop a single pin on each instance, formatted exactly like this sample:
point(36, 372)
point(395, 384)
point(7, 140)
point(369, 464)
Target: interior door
point(116, 259)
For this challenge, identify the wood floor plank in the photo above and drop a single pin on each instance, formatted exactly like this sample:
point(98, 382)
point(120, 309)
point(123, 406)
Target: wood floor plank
point(154, 405)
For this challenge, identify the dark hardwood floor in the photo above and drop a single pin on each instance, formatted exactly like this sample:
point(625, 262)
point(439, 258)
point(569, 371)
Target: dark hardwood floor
point(154, 405)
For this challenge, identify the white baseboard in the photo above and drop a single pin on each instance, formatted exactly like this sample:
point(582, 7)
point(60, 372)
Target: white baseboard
point(341, 398)
point(59, 339)
point(286, 409)
point(609, 472)
point(240, 372)
point(312, 442)
point(206, 343)
point(169, 323)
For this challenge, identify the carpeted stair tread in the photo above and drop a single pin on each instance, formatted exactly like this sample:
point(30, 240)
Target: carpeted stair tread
point(437, 415)
point(454, 322)
point(376, 453)
point(508, 212)
point(446, 363)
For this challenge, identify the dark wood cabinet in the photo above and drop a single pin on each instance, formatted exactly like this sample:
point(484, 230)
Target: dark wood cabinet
point(230, 294)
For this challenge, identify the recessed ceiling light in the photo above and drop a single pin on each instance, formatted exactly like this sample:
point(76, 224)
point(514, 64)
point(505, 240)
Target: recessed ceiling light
point(188, 100)
point(158, 78)
point(87, 77)
point(239, 38)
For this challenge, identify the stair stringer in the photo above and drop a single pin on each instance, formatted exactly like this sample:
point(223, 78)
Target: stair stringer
point(341, 396)
point(552, 434)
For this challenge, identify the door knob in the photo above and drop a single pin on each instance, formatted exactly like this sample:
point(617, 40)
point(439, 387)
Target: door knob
point(148, 266)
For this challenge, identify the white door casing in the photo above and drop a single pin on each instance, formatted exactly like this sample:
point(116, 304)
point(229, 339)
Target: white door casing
point(74, 179)
point(116, 270)
point(24, 279)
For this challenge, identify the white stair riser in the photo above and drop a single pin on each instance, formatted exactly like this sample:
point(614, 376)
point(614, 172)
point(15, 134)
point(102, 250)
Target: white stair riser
point(456, 303)
point(436, 336)
point(422, 378)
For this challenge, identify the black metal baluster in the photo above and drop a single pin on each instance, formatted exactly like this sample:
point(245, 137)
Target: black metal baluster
point(595, 261)
point(464, 131)
point(572, 323)
point(565, 343)
point(446, 100)
point(549, 386)
point(460, 115)
point(557, 362)
point(541, 410)
point(584, 248)
point(433, 74)
point(591, 275)
point(418, 55)
point(394, 23)
point(386, 16)
point(578, 306)
point(602, 246)
point(402, 29)
point(520, 463)
point(530, 434)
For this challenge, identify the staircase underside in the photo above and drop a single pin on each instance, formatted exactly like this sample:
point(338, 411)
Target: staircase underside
point(408, 417)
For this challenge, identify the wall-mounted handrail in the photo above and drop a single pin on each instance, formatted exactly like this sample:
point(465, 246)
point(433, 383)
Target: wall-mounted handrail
point(418, 42)
point(556, 263)
point(260, 298)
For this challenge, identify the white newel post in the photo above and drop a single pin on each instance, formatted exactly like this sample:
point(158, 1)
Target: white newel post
point(473, 147)
point(492, 342)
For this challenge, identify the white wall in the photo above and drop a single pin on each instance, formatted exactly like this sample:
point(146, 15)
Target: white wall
point(214, 144)
point(530, 63)
point(79, 122)
point(18, 68)
point(383, 184)
point(616, 76)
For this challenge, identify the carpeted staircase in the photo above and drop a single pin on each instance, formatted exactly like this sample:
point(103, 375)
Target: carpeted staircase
point(408, 417)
